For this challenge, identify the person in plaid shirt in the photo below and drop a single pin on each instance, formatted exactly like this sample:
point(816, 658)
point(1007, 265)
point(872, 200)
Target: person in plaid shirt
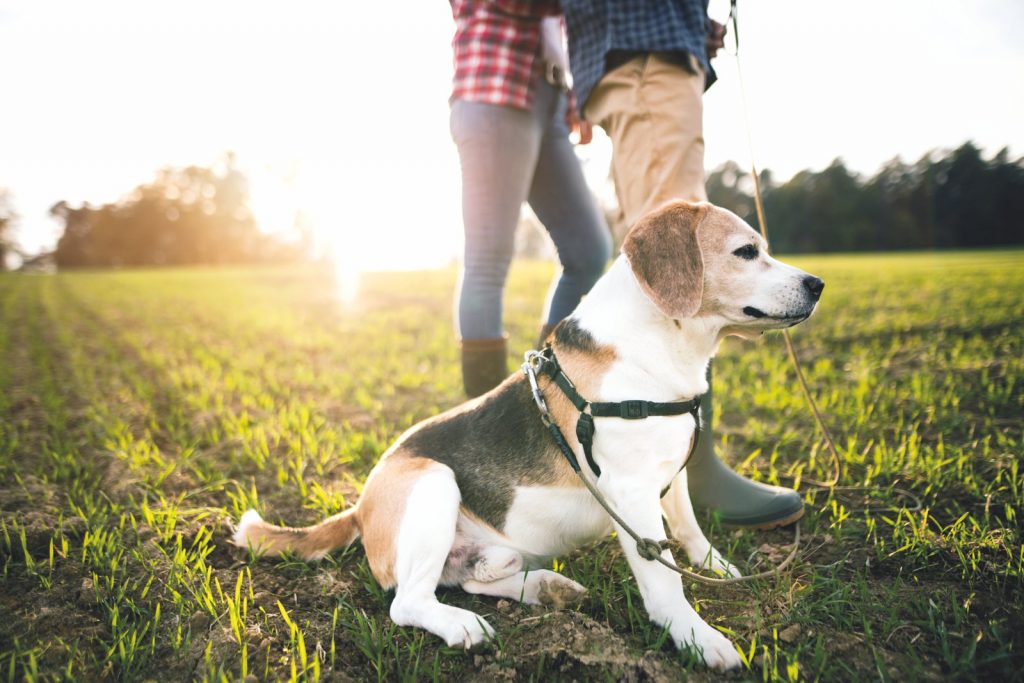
point(509, 112)
point(641, 69)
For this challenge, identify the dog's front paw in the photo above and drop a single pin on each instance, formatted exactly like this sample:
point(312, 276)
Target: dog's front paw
point(467, 630)
point(709, 558)
point(717, 651)
point(720, 565)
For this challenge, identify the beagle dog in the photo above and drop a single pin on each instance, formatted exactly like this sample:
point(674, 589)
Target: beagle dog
point(481, 497)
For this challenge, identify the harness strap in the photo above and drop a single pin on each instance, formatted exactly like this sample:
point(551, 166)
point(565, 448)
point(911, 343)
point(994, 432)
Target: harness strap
point(627, 410)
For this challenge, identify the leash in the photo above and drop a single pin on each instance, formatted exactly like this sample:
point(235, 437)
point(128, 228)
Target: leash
point(832, 484)
point(763, 226)
point(544, 362)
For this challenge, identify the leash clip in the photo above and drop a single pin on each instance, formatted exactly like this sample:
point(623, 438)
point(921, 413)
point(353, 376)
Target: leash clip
point(531, 361)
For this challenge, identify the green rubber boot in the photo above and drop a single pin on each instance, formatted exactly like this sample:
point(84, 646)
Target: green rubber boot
point(737, 501)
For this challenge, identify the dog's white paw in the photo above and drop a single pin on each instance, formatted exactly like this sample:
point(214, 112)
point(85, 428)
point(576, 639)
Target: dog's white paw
point(717, 650)
point(466, 629)
point(722, 566)
point(455, 626)
point(707, 557)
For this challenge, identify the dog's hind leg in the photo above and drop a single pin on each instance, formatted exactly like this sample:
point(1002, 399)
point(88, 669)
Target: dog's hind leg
point(425, 536)
point(495, 562)
point(683, 522)
point(537, 587)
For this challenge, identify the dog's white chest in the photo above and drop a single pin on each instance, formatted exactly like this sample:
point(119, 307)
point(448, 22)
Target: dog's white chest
point(548, 521)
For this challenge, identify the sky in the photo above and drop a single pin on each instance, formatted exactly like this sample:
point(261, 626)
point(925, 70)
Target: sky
point(340, 110)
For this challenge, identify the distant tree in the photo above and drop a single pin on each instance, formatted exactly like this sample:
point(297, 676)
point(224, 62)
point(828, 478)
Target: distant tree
point(8, 219)
point(889, 201)
point(945, 199)
point(730, 187)
point(818, 211)
point(1007, 178)
point(977, 202)
point(192, 215)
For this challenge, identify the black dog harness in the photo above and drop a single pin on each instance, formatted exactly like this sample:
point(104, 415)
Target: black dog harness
point(544, 362)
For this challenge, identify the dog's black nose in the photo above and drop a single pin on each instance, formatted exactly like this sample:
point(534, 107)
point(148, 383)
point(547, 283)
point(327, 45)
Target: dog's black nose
point(814, 285)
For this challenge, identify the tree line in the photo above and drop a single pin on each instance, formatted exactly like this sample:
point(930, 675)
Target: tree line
point(185, 216)
point(951, 199)
point(947, 199)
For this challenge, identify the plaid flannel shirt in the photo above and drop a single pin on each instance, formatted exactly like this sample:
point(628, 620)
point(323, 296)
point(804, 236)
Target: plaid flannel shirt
point(497, 50)
point(596, 27)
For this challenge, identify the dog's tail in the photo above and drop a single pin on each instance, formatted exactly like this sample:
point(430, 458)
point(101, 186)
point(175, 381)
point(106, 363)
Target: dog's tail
point(309, 543)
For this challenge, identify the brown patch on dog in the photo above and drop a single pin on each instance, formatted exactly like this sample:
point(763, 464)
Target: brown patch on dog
point(381, 509)
point(665, 255)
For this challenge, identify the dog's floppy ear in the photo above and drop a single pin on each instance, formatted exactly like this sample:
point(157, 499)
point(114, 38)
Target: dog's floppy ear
point(665, 256)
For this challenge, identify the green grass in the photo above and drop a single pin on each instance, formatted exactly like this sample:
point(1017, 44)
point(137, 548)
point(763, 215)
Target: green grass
point(140, 411)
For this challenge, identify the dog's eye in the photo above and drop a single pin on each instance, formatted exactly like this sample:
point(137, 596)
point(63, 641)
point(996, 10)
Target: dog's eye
point(747, 252)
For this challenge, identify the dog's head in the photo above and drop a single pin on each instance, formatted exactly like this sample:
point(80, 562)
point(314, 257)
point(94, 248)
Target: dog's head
point(701, 260)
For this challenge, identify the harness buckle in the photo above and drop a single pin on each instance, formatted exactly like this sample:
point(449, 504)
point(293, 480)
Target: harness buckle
point(633, 410)
point(531, 361)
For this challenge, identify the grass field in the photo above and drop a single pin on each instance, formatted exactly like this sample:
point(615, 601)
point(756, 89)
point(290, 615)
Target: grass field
point(141, 411)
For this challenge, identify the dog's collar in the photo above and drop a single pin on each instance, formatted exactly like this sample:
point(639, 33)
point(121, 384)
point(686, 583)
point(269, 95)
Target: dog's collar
point(545, 362)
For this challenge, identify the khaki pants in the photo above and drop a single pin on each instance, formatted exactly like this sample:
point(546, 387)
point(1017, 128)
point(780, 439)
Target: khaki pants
point(652, 110)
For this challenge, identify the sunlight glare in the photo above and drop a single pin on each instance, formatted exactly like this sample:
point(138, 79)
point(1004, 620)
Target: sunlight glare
point(347, 279)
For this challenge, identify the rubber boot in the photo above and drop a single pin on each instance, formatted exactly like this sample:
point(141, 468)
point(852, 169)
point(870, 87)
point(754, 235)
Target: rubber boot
point(484, 364)
point(737, 501)
point(545, 331)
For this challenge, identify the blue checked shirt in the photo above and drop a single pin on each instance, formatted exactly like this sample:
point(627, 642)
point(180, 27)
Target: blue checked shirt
point(596, 27)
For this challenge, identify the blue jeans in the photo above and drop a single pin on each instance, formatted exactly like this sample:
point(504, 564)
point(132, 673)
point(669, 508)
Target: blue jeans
point(509, 156)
